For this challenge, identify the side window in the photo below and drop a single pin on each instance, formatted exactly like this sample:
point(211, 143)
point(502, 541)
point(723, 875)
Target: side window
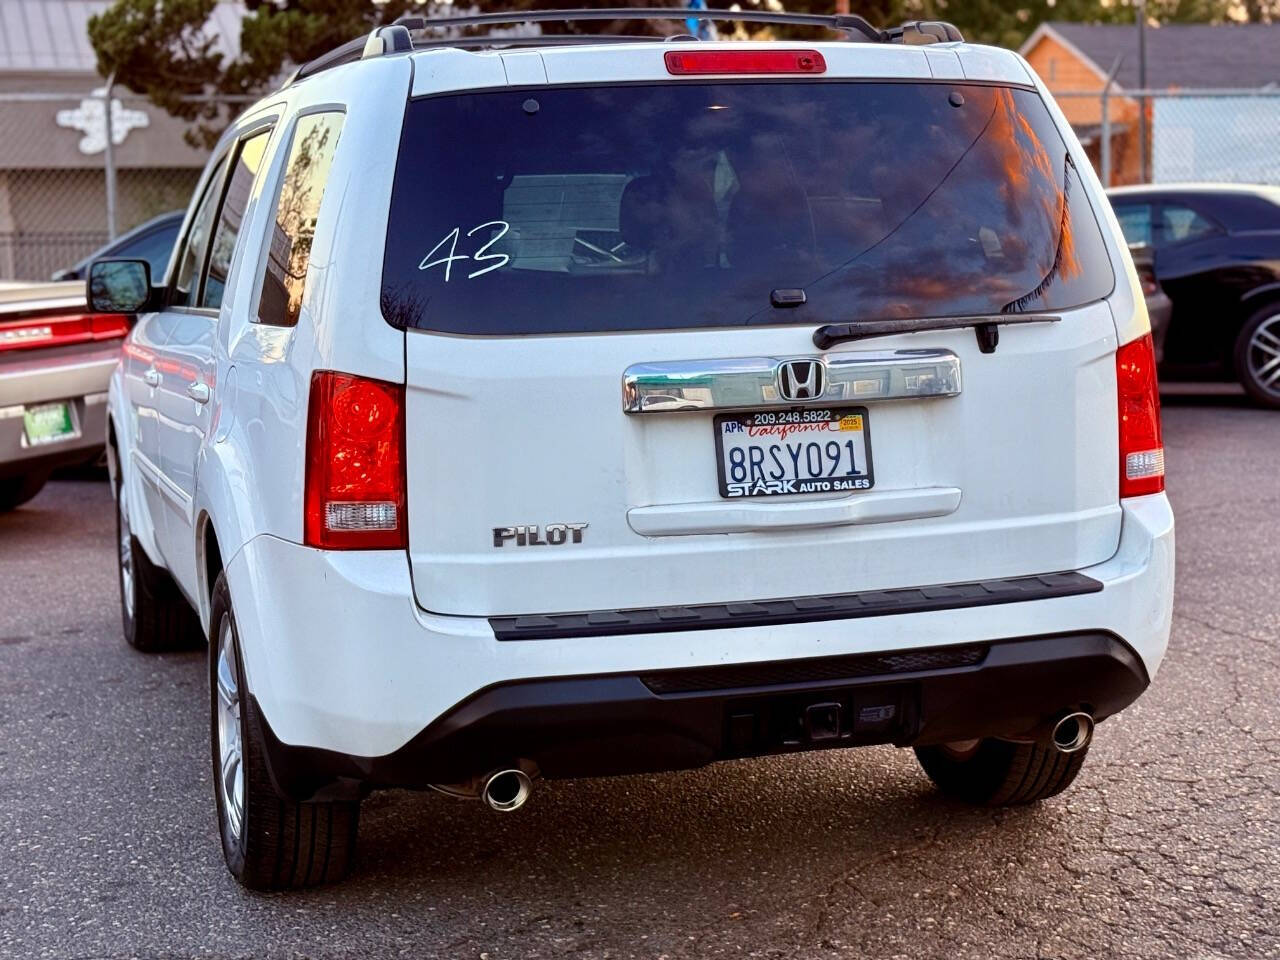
point(1135, 223)
point(184, 288)
point(1182, 223)
point(244, 171)
point(311, 155)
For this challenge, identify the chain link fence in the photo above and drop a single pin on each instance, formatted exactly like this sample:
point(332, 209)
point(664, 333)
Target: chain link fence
point(1171, 136)
point(67, 187)
point(73, 178)
point(50, 219)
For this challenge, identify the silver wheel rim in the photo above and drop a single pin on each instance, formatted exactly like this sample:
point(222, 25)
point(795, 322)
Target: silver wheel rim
point(1264, 356)
point(126, 558)
point(230, 748)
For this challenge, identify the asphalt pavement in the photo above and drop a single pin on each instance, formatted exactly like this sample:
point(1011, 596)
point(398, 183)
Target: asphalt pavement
point(1168, 845)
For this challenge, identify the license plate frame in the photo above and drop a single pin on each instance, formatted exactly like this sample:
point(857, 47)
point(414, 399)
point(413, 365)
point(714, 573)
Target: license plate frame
point(47, 423)
point(802, 418)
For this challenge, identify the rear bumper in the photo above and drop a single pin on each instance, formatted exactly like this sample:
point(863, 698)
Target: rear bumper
point(79, 379)
point(599, 726)
point(354, 680)
point(18, 457)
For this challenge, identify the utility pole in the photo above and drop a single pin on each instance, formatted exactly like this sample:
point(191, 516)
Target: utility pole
point(1144, 149)
point(109, 155)
point(1104, 155)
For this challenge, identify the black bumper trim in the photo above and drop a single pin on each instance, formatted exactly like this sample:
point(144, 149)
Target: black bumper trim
point(615, 724)
point(840, 606)
point(813, 669)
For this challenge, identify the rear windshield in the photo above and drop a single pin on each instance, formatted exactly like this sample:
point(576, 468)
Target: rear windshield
point(688, 204)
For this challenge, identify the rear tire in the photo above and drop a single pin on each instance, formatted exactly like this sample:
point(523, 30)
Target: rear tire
point(999, 773)
point(1257, 357)
point(154, 616)
point(15, 491)
point(269, 842)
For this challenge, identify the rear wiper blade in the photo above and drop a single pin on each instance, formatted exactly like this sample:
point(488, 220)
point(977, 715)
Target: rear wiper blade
point(986, 327)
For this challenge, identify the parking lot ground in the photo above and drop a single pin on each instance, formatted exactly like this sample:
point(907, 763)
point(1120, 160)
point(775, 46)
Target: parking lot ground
point(1167, 846)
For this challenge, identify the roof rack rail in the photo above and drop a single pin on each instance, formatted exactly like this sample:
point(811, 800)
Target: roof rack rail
point(923, 31)
point(398, 37)
point(543, 40)
point(845, 23)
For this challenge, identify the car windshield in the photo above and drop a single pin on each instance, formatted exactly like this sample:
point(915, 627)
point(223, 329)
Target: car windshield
point(688, 204)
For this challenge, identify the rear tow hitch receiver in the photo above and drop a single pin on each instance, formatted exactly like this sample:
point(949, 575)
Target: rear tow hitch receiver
point(822, 721)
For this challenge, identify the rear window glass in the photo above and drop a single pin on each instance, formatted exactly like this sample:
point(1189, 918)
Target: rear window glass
point(686, 204)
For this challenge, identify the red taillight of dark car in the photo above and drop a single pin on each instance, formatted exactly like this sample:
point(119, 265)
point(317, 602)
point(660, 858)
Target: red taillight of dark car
point(60, 330)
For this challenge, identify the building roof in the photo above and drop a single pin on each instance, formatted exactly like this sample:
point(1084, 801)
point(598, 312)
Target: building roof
point(1178, 55)
point(53, 35)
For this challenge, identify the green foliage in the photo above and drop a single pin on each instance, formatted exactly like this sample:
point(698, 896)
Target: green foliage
point(162, 51)
point(273, 36)
point(1007, 23)
point(159, 48)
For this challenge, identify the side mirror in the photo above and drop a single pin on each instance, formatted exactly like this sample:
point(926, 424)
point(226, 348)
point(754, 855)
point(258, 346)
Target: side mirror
point(118, 286)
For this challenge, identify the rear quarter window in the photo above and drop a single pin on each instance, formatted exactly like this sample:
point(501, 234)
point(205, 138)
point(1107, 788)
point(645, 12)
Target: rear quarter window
point(315, 141)
point(684, 205)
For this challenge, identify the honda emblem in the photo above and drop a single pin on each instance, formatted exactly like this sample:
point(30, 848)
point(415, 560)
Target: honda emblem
point(802, 379)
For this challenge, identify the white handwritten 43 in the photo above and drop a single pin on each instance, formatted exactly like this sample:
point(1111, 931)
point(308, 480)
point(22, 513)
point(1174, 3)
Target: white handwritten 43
point(481, 255)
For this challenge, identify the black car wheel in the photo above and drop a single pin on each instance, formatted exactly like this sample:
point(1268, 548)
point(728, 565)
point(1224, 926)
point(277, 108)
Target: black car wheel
point(155, 617)
point(270, 842)
point(1258, 356)
point(1000, 773)
point(15, 491)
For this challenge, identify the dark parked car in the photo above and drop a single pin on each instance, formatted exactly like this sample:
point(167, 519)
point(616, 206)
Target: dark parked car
point(1159, 306)
point(151, 241)
point(1217, 256)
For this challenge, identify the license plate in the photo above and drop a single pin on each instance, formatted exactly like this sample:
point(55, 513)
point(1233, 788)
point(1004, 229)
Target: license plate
point(48, 423)
point(781, 452)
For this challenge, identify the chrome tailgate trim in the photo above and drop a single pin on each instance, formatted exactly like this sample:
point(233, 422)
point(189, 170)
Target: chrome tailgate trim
point(682, 386)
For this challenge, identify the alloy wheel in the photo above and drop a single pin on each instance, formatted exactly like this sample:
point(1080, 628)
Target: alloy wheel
point(1263, 356)
point(230, 744)
point(126, 556)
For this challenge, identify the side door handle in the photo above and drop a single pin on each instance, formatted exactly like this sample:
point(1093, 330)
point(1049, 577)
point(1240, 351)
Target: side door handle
point(198, 391)
point(151, 377)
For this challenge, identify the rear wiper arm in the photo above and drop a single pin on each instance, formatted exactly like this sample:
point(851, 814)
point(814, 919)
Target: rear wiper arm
point(986, 327)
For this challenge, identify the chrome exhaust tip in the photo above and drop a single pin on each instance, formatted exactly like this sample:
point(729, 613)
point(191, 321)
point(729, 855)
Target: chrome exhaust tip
point(506, 790)
point(1073, 732)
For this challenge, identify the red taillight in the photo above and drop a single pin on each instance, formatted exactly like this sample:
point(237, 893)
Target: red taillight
point(355, 486)
point(57, 331)
point(1141, 448)
point(745, 61)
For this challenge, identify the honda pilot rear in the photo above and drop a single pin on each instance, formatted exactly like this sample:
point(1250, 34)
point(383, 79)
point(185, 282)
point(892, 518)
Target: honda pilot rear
point(649, 404)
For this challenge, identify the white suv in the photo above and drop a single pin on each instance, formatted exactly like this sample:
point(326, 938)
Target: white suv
point(519, 407)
